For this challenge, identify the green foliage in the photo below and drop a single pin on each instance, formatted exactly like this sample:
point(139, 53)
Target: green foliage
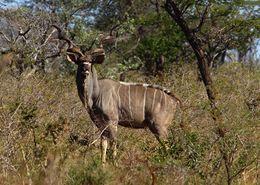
point(84, 36)
point(91, 173)
point(165, 38)
point(133, 63)
point(186, 148)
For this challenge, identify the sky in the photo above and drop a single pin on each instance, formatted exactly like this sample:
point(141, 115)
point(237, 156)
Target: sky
point(14, 4)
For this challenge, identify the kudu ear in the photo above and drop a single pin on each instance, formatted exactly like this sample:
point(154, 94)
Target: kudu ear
point(98, 55)
point(73, 55)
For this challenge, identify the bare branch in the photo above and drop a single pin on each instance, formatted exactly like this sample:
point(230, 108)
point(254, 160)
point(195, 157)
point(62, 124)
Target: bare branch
point(47, 39)
point(6, 38)
point(99, 136)
point(54, 55)
point(16, 110)
point(62, 36)
point(78, 9)
point(157, 6)
point(114, 28)
point(91, 45)
point(243, 168)
point(184, 9)
point(22, 34)
point(202, 18)
point(134, 47)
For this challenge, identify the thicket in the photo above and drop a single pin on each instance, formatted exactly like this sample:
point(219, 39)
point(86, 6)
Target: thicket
point(45, 133)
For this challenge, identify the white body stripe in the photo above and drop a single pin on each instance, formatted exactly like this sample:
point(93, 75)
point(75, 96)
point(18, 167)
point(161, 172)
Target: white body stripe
point(144, 101)
point(164, 98)
point(154, 94)
point(161, 97)
point(129, 98)
point(119, 100)
point(127, 83)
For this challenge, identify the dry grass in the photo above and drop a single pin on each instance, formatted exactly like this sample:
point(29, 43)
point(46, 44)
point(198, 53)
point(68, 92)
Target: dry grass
point(44, 132)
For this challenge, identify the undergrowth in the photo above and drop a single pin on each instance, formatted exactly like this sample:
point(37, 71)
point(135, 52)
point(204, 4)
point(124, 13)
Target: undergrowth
point(45, 133)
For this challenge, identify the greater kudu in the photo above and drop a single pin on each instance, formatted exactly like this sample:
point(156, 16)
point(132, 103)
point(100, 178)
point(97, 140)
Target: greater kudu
point(111, 103)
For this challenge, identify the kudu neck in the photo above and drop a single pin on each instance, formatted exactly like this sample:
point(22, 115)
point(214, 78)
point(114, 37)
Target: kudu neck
point(88, 87)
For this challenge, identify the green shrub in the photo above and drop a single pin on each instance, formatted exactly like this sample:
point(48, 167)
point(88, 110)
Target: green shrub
point(91, 173)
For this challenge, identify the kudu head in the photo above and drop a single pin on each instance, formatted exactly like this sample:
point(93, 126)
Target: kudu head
point(76, 56)
point(85, 61)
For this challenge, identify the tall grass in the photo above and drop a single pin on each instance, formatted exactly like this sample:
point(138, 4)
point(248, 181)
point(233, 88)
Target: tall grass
point(45, 133)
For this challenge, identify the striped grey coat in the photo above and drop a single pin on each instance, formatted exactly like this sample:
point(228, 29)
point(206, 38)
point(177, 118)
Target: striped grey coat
point(127, 104)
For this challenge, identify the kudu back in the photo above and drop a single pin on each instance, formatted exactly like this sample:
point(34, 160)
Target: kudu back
point(111, 103)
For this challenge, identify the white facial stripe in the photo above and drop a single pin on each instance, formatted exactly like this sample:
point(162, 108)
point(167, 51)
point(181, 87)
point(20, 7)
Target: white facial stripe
point(86, 63)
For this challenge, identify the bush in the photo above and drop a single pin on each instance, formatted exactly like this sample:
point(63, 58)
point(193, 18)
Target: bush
point(42, 118)
point(91, 173)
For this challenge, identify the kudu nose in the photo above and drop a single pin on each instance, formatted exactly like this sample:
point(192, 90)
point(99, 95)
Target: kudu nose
point(86, 68)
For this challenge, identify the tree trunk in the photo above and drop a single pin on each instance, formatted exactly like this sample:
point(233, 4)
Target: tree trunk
point(159, 66)
point(222, 58)
point(175, 13)
point(241, 56)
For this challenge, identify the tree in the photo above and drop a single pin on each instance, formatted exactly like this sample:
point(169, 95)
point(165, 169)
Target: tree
point(176, 14)
point(29, 35)
point(176, 10)
point(213, 27)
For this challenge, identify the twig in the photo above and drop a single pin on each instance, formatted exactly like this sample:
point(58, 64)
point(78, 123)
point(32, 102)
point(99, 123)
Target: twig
point(134, 47)
point(184, 9)
point(202, 18)
point(95, 140)
point(23, 34)
point(6, 38)
point(16, 110)
point(47, 39)
point(27, 167)
point(243, 168)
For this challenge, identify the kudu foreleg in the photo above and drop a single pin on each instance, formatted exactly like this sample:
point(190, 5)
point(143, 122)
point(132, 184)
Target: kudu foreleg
point(104, 144)
point(109, 134)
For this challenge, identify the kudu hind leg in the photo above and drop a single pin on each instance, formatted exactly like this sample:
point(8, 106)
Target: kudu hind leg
point(160, 133)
